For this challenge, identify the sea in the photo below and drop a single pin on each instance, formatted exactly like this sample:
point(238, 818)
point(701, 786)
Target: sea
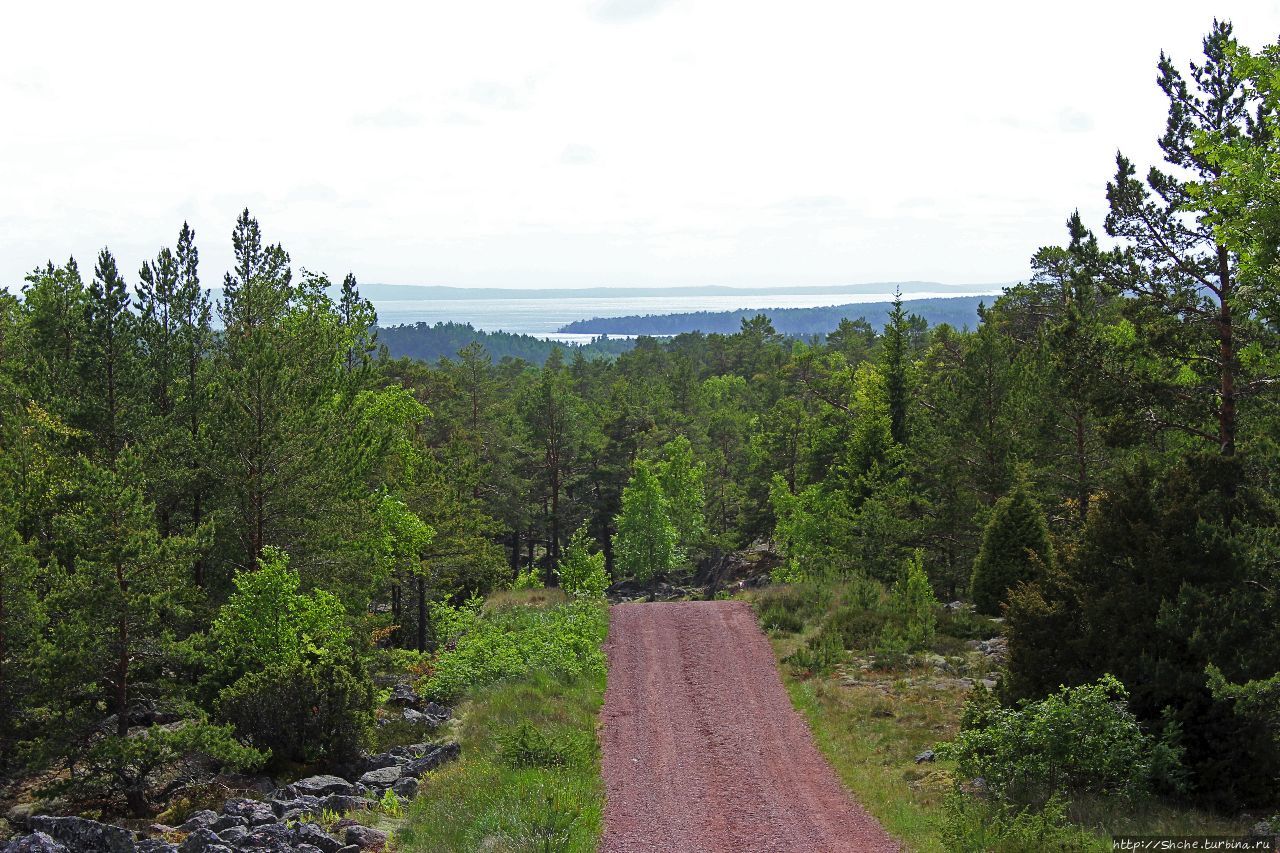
point(542, 318)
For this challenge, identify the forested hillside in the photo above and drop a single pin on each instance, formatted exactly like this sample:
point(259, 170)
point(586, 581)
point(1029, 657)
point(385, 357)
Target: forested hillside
point(1097, 460)
point(428, 342)
point(960, 312)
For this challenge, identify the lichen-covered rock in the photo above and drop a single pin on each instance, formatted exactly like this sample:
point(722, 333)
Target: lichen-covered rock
point(366, 838)
point(233, 834)
point(203, 819)
point(318, 786)
point(37, 842)
point(433, 759)
point(272, 838)
point(82, 834)
point(202, 840)
point(313, 834)
point(406, 787)
point(295, 804)
point(382, 778)
point(156, 845)
point(343, 803)
point(254, 812)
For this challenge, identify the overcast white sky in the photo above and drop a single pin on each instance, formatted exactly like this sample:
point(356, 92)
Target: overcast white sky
point(584, 142)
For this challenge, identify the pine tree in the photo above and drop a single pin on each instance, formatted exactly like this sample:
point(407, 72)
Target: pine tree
point(894, 362)
point(1015, 548)
point(114, 604)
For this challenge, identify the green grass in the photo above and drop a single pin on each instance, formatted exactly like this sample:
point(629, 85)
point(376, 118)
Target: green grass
point(871, 732)
point(490, 801)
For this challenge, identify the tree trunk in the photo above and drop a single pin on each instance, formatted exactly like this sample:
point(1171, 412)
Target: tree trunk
point(1226, 357)
point(422, 614)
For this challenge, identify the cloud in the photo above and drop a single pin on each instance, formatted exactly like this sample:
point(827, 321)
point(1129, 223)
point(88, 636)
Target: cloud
point(1074, 121)
point(391, 117)
point(499, 96)
point(578, 155)
point(621, 11)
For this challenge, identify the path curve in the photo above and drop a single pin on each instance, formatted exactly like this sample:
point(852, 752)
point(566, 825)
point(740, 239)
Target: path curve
point(702, 749)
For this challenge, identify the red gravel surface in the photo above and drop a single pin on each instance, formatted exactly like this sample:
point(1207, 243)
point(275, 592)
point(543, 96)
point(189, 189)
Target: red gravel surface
point(702, 749)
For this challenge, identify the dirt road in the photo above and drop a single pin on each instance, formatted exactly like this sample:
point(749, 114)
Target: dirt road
point(702, 749)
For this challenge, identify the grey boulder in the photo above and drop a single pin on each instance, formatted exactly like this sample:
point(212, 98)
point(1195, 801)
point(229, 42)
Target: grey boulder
point(82, 834)
point(318, 786)
point(37, 842)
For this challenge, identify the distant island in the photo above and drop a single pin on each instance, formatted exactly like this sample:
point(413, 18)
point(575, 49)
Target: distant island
point(958, 311)
point(379, 292)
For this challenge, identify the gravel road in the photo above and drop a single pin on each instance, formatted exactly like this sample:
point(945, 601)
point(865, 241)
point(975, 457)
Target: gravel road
point(702, 749)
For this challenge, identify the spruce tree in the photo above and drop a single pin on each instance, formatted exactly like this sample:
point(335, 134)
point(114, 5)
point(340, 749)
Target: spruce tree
point(1015, 547)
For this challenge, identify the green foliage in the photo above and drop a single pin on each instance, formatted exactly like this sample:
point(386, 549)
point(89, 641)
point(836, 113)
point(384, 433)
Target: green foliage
point(269, 621)
point(130, 768)
point(302, 710)
point(647, 541)
point(531, 579)
point(681, 478)
point(1078, 740)
point(820, 654)
point(787, 608)
point(501, 644)
point(913, 604)
point(1015, 549)
point(582, 573)
point(529, 746)
point(974, 825)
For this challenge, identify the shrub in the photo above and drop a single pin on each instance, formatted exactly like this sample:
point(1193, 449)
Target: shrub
point(582, 573)
point(820, 654)
point(789, 607)
point(1078, 740)
point(856, 628)
point(268, 621)
point(127, 768)
point(965, 624)
point(1015, 547)
point(516, 640)
point(972, 825)
point(531, 579)
point(302, 711)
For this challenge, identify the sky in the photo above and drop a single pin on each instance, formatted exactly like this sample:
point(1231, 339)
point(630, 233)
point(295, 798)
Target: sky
point(585, 142)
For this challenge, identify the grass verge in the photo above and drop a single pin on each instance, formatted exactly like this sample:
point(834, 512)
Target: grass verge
point(871, 722)
point(529, 777)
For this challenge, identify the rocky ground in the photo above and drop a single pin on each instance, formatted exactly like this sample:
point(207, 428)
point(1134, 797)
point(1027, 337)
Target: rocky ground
point(326, 813)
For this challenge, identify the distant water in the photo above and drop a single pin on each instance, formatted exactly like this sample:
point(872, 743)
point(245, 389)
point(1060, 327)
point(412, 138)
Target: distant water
point(542, 317)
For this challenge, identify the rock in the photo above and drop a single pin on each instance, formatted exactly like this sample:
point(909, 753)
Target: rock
point(228, 821)
point(156, 845)
point(234, 833)
point(383, 777)
point(201, 840)
point(927, 755)
point(406, 787)
point(366, 838)
point(37, 842)
point(313, 834)
point(433, 759)
point(318, 786)
point(377, 762)
point(350, 848)
point(306, 804)
point(255, 812)
point(404, 694)
point(82, 834)
point(273, 837)
point(343, 803)
point(1264, 828)
point(203, 819)
point(308, 848)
